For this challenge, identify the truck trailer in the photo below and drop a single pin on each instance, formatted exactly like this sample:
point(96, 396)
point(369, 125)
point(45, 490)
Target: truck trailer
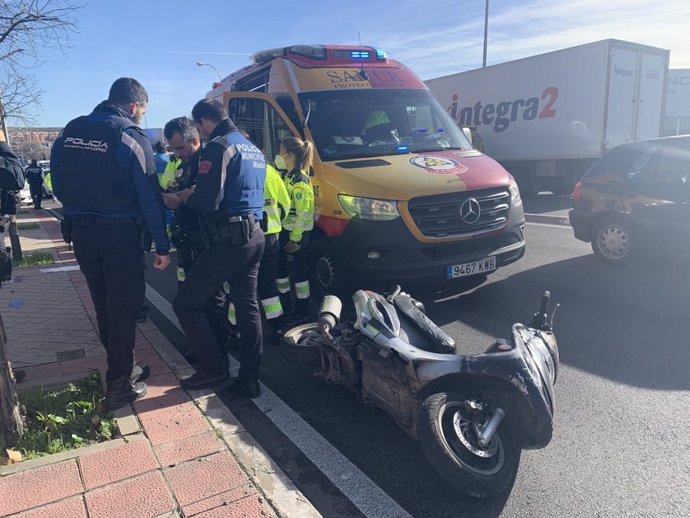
point(547, 118)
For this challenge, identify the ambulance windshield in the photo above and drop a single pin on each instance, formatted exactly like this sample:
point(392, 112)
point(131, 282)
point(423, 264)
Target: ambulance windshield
point(371, 123)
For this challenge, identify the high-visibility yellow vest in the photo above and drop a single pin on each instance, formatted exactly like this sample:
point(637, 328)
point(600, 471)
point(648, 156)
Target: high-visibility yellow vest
point(169, 176)
point(275, 198)
point(301, 216)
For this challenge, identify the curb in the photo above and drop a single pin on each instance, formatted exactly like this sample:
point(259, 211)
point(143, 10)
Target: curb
point(276, 486)
point(548, 219)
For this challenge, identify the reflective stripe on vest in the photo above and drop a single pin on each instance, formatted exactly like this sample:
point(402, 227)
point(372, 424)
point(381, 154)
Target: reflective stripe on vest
point(180, 274)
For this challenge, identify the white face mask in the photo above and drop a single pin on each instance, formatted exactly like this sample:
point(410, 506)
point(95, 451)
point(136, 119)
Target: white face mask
point(280, 163)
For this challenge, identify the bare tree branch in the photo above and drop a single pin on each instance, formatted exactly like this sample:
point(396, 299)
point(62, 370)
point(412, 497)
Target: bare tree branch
point(27, 29)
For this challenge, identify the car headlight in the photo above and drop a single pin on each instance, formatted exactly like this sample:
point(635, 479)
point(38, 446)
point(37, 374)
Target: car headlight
point(368, 208)
point(514, 193)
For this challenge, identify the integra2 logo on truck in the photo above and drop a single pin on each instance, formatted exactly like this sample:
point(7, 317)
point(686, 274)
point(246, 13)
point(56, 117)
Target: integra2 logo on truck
point(503, 113)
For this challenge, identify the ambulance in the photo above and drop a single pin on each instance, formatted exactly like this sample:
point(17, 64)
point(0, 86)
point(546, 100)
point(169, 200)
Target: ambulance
point(401, 195)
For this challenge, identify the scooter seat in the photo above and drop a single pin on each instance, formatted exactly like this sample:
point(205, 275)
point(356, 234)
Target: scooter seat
point(438, 341)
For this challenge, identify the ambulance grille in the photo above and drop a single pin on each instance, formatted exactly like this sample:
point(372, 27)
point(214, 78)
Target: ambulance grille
point(439, 215)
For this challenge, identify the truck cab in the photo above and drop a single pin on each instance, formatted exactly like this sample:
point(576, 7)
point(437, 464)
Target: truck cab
point(401, 194)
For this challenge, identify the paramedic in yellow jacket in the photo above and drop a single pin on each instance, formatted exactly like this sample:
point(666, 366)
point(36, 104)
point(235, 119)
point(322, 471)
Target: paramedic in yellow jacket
point(296, 158)
point(276, 205)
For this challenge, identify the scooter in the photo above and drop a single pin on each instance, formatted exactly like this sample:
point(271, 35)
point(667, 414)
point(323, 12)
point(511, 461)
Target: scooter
point(472, 415)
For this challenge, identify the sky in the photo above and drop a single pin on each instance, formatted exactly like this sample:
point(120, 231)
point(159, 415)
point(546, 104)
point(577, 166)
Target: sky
point(159, 43)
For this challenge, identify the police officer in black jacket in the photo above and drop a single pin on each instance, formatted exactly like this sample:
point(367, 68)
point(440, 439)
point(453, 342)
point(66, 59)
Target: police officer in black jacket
point(229, 195)
point(183, 138)
point(104, 174)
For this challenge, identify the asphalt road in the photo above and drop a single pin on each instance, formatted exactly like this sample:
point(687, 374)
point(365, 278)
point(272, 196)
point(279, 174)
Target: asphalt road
point(622, 430)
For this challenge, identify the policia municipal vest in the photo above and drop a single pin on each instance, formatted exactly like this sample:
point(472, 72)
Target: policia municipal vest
point(93, 182)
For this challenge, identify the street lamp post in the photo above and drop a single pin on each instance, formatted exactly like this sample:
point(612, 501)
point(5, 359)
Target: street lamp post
point(202, 64)
point(486, 29)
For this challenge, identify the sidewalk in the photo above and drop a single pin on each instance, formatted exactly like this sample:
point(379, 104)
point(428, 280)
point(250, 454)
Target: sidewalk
point(180, 455)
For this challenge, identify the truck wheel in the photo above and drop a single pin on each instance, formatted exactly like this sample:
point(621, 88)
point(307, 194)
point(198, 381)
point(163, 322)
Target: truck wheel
point(329, 276)
point(612, 240)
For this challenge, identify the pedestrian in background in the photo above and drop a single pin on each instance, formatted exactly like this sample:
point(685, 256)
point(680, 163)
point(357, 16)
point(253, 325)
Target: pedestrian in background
point(34, 175)
point(160, 157)
point(296, 157)
point(104, 174)
point(229, 196)
point(162, 161)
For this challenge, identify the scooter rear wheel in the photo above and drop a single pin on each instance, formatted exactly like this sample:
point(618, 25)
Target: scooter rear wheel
point(449, 442)
point(299, 345)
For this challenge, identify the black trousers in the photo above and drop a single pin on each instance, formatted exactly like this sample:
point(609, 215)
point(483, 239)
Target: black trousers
point(36, 194)
point(239, 265)
point(216, 306)
point(110, 256)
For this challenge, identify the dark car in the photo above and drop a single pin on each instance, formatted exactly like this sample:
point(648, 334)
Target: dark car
point(636, 196)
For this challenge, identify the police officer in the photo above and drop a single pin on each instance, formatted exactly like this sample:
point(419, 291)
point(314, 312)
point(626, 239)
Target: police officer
point(34, 175)
point(276, 205)
point(296, 158)
point(229, 194)
point(183, 137)
point(104, 174)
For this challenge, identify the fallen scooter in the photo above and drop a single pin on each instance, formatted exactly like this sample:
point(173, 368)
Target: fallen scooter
point(472, 415)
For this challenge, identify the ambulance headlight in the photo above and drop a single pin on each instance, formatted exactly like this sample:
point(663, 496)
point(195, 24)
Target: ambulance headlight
point(368, 208)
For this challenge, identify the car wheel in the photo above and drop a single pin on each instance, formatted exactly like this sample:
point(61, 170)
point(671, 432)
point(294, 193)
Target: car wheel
point(612, 240)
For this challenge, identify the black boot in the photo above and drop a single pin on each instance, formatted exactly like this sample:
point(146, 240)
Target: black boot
point(122, 392)
point(243, 388)
point(277, 327)
point(204, 379)
point(301, 315)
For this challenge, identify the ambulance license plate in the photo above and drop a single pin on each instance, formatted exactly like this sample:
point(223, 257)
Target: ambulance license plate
point(486, 265)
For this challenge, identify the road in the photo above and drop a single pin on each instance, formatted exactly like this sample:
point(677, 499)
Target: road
point(621, 445)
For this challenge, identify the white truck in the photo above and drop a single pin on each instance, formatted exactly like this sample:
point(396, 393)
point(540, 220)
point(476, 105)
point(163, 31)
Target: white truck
point(547, 118)
point(677, 120)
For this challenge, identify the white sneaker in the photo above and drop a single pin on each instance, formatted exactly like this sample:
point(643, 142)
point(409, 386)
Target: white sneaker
point(139, 373)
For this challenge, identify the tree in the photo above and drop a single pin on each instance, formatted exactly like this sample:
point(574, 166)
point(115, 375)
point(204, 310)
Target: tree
point(29, 28)
point(11, 423)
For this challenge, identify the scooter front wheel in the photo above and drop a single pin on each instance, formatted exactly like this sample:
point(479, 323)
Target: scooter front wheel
point(447, 433)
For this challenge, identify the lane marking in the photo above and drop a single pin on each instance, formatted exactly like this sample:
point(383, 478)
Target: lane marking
point(363, 492)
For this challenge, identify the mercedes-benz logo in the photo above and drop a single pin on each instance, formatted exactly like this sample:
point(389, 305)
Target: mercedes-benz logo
point(470, 211)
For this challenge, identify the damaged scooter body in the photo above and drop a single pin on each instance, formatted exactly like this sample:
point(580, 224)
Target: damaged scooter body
point(396, 375)
point(472, 415)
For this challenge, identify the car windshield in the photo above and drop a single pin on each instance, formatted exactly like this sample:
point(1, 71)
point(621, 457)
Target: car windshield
point(372, 123)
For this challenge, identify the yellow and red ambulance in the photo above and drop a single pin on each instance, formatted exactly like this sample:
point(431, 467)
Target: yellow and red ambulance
point(401, 195)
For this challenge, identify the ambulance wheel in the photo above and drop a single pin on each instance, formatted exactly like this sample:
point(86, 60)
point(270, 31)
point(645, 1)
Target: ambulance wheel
point(326, 267)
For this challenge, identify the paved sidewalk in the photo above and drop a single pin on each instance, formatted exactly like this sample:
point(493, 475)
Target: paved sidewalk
point(180, 454)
